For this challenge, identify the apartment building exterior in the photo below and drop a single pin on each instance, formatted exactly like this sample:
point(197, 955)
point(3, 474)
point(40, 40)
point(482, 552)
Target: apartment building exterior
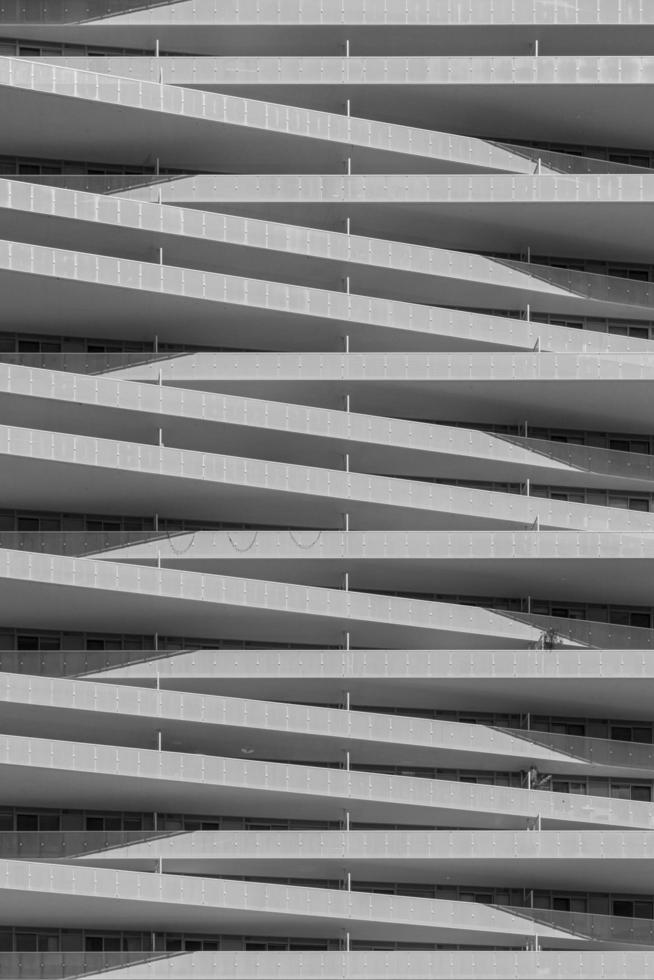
point(326, 489)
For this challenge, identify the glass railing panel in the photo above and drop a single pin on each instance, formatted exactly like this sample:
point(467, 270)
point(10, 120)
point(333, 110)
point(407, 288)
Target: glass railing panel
point(88, 363)
point(601, 928)
point(48, 966)
point(77, 663)
point(557, 631)
point(70, 844)
point(600, 751)
point(79, 543)
point(570, 163)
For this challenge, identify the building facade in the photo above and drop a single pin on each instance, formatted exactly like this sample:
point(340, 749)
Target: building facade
point(326, 489)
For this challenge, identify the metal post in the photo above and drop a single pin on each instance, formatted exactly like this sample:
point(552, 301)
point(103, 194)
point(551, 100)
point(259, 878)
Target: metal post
point(347, 643)
point(156, 522)
point(349, 166)
point(347, 522)
point(347, 462)
point(347, 226)
point(346, 582)
point(159, 742)
point(347, 761)
point(347, 285)
point(347, 104)
point(161, 256)
point(347, 700)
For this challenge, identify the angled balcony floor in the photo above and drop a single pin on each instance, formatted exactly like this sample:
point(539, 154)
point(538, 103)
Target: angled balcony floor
point(597, 860)
point(562, 565)
point(150, 600)
point(294, 965)
point(387, 965)
point(235, 425)
point(589, 27)
point(520, 95)
point(48, 110)
point(607, 682)
point(593, 216)
point(80, 710)
point(222, 311)
point(94, 222)
point(598, 392)
point(138, 478)
point(603, 216)
point(67, 895)
point(38, 772)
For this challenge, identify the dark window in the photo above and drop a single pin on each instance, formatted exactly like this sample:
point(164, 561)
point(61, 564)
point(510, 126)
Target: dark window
point(49, 822)
point(27, 821)
point(27, 524)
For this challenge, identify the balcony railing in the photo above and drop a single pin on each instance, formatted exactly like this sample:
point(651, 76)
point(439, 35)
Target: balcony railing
point(52, 966)
point(610, 929)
